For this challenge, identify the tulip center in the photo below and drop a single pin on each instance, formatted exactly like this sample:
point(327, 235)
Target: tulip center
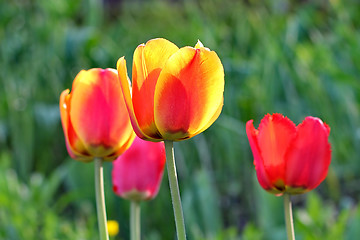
point(280, 185)
point(135, 195)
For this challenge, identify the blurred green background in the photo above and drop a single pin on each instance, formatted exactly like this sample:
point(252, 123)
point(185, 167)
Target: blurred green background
point(298, 58)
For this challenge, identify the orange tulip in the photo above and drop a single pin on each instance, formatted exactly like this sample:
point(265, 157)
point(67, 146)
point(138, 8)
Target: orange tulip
point(288, 158)
point(176, 93)
point(94, 116)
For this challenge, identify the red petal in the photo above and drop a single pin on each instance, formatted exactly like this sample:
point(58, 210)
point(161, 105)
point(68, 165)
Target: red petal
point(258, 161)
point(309, 155)
point(275, 135)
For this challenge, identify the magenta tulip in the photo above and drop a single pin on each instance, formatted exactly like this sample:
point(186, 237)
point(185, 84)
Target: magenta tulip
point(137, 173)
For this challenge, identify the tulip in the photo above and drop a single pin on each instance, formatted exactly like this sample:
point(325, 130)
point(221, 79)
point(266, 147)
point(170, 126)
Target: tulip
point(176, 93)
point(94, 116)
point(289, 159)
point(96, 126)
point(137, 173)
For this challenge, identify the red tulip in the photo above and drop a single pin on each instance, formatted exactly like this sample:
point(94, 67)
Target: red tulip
point(176, 93)
point(94, 116)
point(137, 173)
point(288, 158)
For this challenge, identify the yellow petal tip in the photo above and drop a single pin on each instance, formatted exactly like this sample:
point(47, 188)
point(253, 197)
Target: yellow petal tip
point(199, 44)
point(119, 61)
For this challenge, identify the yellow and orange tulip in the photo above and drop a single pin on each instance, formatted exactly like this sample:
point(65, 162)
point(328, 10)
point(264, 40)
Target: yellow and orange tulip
point(94, 116)
point(176, 93)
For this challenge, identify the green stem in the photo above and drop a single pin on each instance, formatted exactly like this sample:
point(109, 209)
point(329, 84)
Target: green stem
point(100, 199)
point(174, 189)
point(135, 220)
point(288, 217)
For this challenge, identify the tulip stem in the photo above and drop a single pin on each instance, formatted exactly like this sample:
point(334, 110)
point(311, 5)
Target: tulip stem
point(100, 199)
point(174, 189)
point(289, 217)
point(135, 220)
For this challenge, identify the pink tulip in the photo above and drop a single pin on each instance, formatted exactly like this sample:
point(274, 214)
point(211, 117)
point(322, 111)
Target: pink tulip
point(137, 173)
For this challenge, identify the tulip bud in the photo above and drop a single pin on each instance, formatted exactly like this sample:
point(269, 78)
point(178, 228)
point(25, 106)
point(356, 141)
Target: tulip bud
point(137, 173)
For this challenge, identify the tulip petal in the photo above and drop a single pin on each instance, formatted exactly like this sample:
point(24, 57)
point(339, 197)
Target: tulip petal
point(275, 135)
point(97, 111)
point(121, 149)
point(71, 139)
point(252, 134)
point(125, 86)
point(211, 120)
point(148, 62)
point(188, 93)
point(309, 155)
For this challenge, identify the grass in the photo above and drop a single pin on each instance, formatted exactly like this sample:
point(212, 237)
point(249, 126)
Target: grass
point(298, 59)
